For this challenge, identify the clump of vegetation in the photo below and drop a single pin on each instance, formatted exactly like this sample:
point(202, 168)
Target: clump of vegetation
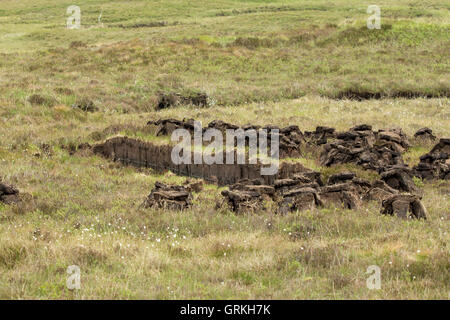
point(174, 99)
point(85, 104)
point(39, 100)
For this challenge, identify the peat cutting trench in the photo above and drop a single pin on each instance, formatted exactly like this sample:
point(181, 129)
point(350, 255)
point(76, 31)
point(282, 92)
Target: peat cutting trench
point(146, 154)
point(295, 187)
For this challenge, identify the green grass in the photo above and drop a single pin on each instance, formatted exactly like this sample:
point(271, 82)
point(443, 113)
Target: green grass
point(261, 62)
point(235, 51)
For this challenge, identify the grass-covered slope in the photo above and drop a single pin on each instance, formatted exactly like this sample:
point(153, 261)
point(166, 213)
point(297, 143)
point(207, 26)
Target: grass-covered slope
point(235, 51)
point(262, 62)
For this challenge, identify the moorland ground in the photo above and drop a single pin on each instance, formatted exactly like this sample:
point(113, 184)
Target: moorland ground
point(261, 62)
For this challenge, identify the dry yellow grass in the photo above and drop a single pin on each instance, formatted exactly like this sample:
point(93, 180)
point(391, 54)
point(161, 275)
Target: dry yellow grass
point(85, 212)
